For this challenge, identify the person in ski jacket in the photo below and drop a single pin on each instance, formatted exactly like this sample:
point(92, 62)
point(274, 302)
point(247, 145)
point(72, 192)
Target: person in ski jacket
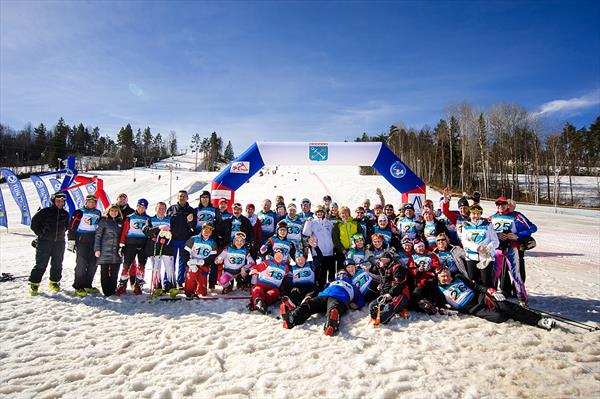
point(159, 250)
point(451, 256)
point(321, 230)
point(82, 231)
point(202, 249)
point(106, 248)
point(269, 277)
point(234, 263)
point(480, 242)
point(49, 225)
point(467, 297)
point(133, 245)
point(182, 228)
point(335, 300)
point(393, 291)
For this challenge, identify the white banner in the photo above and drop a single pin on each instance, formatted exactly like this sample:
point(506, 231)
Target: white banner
point(319, 153)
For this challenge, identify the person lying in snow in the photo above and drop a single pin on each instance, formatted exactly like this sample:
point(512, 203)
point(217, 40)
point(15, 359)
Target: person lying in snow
point(477, 300)
point(335, 300)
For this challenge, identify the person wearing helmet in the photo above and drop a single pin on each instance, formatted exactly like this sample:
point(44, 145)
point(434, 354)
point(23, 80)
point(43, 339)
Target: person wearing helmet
point(49, 225)
point(202, 249)
point(279, 241)
point(159, 250)
point(133, 244)
point(333, 301)
point(82, 232)
point(234, 264)
point(358, 251)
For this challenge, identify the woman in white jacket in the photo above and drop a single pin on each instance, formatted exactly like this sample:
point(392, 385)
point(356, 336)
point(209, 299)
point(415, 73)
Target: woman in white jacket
point(479, 241)
point(321, 230)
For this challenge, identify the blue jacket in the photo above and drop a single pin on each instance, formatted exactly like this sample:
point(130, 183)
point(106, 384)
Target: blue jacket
point(344, 291)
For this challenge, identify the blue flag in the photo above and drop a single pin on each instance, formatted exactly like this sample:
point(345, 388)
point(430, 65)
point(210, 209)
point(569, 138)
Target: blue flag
point(3, 218)
point(16, 189)
point(56, 185)
point(41, 190)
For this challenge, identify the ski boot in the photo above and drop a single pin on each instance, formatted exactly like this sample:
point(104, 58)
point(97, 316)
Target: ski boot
point(260, 306)
point(80, 292)
point(333, 322)
point(288, 303)
point(54, 286)
point(427, 307)
point(33, 288)
point(122, 287)
point(92, 290)
point(546, 323)
point(288, 319)
point(137, 289)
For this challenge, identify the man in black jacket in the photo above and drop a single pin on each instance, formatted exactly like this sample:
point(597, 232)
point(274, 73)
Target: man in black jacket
point(183, 222)
point(49, 225)
point(123, 205)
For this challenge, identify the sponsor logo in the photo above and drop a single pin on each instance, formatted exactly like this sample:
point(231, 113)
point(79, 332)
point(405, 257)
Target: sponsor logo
point(398, 170)
point(417, 201)
point(12, 179)
point(318, 152)
point(221, 194)
point(240, 167)
point(39, 184)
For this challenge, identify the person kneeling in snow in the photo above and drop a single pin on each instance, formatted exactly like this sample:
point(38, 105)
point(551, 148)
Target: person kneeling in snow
point(335, 300)
point(234, 262)
point(202, 249)
point(393, 289)
point(269, 276)
point(303, 282)
point(477, 300)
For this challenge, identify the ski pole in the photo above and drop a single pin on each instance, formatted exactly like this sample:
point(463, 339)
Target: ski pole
point(567, 320)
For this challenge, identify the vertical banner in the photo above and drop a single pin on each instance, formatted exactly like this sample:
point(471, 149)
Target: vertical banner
point(41, 190)
point(16, 189)
point(3, 217)
point(56, 185)
point(78, 197)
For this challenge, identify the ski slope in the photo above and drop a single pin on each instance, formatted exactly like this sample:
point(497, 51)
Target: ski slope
point(56, 345)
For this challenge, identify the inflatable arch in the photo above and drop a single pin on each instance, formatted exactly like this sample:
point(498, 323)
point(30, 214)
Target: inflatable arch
point(375, 154)
point(73, 179)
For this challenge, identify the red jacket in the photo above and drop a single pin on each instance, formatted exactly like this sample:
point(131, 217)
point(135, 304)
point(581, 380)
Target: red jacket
point(428, 262)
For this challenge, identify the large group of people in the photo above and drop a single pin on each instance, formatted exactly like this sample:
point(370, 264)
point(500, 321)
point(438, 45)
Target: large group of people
point(304, 259)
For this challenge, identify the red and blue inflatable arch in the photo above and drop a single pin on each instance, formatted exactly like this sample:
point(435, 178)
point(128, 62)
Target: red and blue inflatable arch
point(375, 154)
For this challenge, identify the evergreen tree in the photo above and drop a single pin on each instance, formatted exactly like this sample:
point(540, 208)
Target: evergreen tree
point(40, 142)
point(228, 154)
point(59, 142)
point(125, 142)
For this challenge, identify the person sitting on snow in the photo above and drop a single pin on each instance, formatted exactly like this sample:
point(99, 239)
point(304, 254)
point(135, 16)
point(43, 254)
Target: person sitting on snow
point(269, 276)
point(335, 300)
point(234, 263)
point(393, 290)
point(303, 281)
point(477, 300)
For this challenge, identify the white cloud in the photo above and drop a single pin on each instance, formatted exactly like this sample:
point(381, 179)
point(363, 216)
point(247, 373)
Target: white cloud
point(136, 90)
point(572, 104)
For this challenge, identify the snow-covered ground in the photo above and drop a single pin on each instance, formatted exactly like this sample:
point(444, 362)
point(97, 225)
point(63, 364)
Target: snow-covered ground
point(56, 345)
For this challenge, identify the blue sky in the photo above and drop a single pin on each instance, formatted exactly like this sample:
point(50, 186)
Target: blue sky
point(292, 70)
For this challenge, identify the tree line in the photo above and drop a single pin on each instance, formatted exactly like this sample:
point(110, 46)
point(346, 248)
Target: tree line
point(42, 145)
point(501, 151)
point(211, 148)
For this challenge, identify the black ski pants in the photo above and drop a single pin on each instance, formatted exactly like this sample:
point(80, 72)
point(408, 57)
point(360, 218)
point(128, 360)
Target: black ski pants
point(319, 304)
point(45, 251)
point(481, 276)
point(85, 265)
point(325, 271)
point(505, 310)
point(109, 275)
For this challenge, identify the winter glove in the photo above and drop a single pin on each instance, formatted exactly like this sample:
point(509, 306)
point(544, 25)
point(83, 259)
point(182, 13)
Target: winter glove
point(71, 245)
point(497, 296)
point(34, 243)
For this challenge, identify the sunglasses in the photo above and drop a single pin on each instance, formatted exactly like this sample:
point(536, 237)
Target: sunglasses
point(441, 240)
